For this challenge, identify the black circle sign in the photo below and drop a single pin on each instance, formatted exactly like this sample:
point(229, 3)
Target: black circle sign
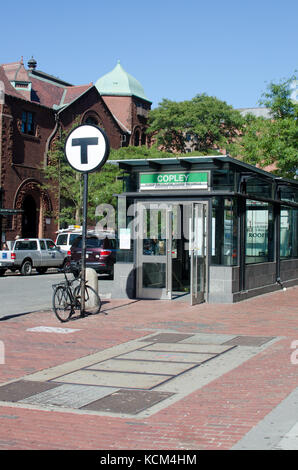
point(87, 148)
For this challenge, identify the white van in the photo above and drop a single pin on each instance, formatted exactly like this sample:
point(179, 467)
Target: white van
point(66, 237)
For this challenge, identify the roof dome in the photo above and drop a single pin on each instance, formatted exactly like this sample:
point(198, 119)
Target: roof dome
point(120, 83)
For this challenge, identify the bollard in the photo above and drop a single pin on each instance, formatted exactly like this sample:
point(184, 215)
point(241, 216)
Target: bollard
point(91, 277)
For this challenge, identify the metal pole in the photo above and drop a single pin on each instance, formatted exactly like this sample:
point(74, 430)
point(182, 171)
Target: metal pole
point(84, 234)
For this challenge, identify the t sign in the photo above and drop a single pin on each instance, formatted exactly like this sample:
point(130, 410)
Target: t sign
point(86, 148)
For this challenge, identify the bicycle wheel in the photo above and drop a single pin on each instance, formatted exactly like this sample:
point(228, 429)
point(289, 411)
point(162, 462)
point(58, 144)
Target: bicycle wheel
point(92, 300)
point(62, 304)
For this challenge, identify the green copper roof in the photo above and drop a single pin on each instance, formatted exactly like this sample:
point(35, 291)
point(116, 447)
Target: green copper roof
point(120, 83)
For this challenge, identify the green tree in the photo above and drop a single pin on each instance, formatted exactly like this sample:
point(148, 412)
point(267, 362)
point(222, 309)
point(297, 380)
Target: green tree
point(102, 185)
point(272, 141)
point(206, 121)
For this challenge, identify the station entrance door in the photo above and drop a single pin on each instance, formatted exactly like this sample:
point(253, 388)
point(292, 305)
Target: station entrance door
point(171, 244)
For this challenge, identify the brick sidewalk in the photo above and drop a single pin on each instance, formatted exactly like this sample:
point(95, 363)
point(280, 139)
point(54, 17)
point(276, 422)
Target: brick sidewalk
point(215, 416)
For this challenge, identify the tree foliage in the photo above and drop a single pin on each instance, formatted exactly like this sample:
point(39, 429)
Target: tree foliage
point(102, 185)
point(272, 141)
point(206, 121)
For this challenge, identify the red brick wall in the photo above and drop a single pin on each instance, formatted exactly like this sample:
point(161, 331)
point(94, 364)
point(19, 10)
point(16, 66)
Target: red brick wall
point(23, 157)
point(89, 102)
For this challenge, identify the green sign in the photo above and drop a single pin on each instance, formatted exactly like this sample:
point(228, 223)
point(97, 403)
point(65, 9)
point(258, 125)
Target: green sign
point(178, 180)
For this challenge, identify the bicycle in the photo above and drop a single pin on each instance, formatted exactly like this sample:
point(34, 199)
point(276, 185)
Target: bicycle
point(67, 299)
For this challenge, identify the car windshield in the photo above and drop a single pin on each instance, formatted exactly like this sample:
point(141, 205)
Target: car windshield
point(90, 243)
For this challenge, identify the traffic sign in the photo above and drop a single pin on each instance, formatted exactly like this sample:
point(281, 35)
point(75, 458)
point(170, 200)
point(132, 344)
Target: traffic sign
point(86, 148)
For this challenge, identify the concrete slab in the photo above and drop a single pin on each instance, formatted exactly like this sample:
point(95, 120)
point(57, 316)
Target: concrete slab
point(147, 367)
point(113, 379)
point(188, 348)
point(207, 338)
point(167, 356)
point(70, 396)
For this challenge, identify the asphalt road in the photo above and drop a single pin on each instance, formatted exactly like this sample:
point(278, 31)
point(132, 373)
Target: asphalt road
point(24, 294)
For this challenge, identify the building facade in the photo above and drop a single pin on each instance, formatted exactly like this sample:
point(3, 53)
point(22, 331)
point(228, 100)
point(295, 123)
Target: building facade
point(34, 107)
point(204, 229)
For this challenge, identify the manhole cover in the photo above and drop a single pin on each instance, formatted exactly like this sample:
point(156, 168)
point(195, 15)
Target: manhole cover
point(167, 338)
point(249, 340)
point(128, 401)
point(22, 389)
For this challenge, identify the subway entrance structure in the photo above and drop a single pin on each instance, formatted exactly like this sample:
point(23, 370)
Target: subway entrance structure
point(210, 229)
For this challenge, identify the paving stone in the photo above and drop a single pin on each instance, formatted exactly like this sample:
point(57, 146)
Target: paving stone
point(189, 348)
point(167, 338)
point(208, 338)
point(249, 340)
point(128, 401)
point(70, 396)
point(22, 389)
point(147, 367)
point(168, 356)
point(113, 379)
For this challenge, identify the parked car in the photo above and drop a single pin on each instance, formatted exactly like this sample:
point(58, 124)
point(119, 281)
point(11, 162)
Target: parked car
point(100, 254)
point(28, 253)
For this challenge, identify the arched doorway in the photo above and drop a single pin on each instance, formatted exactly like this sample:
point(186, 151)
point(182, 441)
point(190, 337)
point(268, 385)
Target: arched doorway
point(35, 203)
point(137, 138)
point(29, 218)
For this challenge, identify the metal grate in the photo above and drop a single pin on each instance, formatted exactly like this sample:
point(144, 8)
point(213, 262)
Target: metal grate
point(249, 340)
point(128, 401)
point(22, 389)
point(166, 338)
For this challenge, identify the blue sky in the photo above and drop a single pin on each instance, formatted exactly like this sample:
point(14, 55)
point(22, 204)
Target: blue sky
point(176, 49)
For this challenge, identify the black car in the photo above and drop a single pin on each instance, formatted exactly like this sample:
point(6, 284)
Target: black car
point(100, 254)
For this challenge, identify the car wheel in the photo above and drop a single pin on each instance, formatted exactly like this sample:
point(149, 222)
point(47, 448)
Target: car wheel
point(26, 268)
point(2, 272)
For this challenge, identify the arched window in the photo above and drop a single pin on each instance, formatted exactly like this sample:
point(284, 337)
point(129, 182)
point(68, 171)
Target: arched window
point(91, 120)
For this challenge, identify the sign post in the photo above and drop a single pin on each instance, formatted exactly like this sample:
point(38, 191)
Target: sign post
point(86, 150)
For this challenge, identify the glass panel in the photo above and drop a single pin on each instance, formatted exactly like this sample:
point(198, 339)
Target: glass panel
point(223, 180)
point(259, 232)
point(224, 231)
point(198, 253)
point(258, 187)
point(288, 193)
point(154, 242)
point(288, 232)
point(154, 275)
point(42, 244)
point(50, 245)
point(24, 120)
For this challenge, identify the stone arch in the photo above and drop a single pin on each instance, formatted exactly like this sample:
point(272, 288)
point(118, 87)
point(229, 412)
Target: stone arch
point(34, 201)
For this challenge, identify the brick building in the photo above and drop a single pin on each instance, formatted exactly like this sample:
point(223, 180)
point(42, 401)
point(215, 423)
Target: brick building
point(34, 106)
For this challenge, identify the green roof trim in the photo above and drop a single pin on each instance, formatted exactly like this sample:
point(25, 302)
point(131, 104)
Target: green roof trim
point(120, 83)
